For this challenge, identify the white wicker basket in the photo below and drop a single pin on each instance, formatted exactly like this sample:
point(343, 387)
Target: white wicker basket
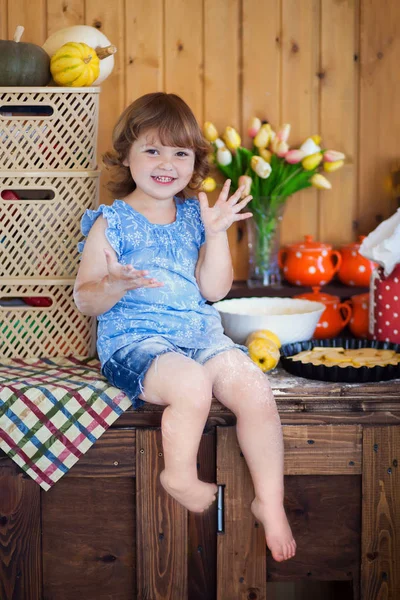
point(48, 128)
point(56, 330)
point(39, 236)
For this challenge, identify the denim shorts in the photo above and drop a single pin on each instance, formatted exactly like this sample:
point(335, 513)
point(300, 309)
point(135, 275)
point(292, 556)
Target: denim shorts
point(127, 367)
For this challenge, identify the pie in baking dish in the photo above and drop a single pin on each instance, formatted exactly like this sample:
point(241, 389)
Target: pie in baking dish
point(341, 357)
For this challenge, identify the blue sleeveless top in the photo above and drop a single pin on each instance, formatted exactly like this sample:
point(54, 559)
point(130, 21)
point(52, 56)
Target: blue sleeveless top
point(169, 252)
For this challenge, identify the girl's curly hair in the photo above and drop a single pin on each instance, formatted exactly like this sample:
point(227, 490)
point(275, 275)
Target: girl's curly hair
point(176, 126)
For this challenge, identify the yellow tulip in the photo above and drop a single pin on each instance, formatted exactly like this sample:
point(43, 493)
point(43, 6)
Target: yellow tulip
point(278, 147)
point(272, 136)
point(259, 166)
point(263, 137)
point(310, 162)
point(210, 131)
point(282, 149)
point(329, 167)
point(320, 182)
point(231, 138)
point(208, 184)
point(265, 154)
point(316, 138)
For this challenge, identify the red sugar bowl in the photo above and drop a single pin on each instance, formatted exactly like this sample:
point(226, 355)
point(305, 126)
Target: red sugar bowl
point(355, 269)
point(309, 262)
point(335, 316)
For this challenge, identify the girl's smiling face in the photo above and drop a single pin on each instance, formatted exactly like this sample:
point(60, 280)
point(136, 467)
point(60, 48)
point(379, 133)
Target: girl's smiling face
point(159, 171)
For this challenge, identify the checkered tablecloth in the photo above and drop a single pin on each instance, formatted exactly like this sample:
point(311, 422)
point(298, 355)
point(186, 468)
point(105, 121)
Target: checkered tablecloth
point(52, 411)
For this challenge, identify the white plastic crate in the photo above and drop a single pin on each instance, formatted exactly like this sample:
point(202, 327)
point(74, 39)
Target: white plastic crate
point(39, 234)
point(48, 128)
point(29, 330)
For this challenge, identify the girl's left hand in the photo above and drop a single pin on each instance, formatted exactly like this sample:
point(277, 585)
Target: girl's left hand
point(225, 211)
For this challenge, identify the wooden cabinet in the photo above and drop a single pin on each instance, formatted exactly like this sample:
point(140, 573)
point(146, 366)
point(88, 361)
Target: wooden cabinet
point(107, 530)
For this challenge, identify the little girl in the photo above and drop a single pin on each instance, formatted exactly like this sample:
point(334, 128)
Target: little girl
point(150, 262)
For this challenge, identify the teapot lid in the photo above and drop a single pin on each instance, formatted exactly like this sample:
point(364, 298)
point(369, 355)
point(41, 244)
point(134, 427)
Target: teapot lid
point(354, 245)
point(309, 244)
point(318, 296)
point(360, 298)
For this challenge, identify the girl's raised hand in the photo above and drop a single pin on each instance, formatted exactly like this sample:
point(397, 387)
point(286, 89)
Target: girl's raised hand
point(225, 211)
point(126, 277)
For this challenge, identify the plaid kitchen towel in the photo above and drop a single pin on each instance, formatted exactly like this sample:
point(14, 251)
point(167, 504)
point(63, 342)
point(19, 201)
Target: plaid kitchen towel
point(52, 411)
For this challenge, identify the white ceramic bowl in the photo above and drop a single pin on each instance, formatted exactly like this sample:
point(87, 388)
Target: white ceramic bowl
point(292, 319)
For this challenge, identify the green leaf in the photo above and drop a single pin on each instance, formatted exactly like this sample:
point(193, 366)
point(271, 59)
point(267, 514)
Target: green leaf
point(246, 157)
point(226, 170)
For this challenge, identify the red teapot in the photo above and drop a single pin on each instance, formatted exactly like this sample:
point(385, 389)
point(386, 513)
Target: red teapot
point(309, 262)
point(335, 316)
point(359, 322)
point(355, 268)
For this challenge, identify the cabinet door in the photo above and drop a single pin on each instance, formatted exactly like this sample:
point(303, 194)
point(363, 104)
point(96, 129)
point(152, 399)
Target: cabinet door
point(176, 550)
point(380, 515)
point(322, 493)
point(89, 525)
point(20, 541)
point(241, 547)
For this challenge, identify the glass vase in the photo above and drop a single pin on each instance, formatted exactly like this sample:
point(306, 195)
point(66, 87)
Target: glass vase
point(263, 230)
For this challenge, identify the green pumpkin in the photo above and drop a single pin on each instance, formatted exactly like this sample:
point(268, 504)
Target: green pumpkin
point(23, 64)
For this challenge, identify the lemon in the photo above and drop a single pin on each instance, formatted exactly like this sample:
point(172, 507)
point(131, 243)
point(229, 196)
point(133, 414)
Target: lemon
point(265, 334)
point(264, 352)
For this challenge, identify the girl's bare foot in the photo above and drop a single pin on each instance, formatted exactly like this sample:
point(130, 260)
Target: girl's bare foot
point(277, 529)
point(194, 494)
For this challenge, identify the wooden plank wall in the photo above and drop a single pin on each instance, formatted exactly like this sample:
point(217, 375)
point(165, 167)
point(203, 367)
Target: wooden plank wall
point(325, 66)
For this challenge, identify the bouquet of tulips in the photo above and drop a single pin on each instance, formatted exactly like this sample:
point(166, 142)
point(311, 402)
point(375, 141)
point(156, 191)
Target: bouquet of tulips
point(271, 168)
point(271, 171)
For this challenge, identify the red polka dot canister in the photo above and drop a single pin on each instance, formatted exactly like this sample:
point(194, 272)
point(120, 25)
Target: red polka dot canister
point(384, 314)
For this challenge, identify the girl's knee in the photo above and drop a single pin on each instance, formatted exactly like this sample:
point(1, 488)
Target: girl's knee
point(238, 372)
point(182, 381)
point(194, 387)
point(245, 389)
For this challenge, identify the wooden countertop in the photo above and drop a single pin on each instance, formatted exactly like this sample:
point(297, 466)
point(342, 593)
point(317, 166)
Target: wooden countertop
point(304, 401)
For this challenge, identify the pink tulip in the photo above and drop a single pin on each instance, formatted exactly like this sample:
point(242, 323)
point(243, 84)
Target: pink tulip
point(294, 156)
point(245, 180)
point(333, 156)
point(283, 133)
point(254, 127)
